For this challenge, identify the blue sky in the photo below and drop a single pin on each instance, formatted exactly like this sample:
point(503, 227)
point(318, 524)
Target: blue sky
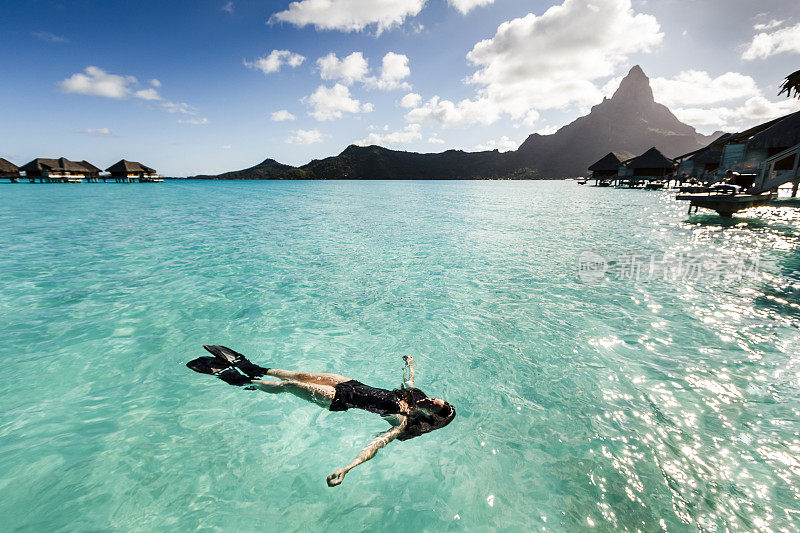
point(191, 87)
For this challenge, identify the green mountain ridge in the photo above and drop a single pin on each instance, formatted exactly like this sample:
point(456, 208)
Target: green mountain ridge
point(628, 123)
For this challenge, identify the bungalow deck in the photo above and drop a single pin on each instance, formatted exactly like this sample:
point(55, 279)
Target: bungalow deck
point(726, 204)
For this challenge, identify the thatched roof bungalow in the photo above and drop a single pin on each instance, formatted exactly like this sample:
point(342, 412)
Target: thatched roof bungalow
point(8, 170)
point(700, 162)
point(91, 170)
point(605, 168)
point(129, 170)
point(650, 165)
point(53, 169)
point(738, 154)
point(778, 137)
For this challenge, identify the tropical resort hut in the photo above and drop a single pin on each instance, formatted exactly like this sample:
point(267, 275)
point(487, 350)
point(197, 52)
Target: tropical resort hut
point(778, 150)
point(735, 154)
point(130, 171)
point(92, 172)
point(701, 164)
point(650, 166)
point(605, 170)
point(9, 170)
point(60, 170)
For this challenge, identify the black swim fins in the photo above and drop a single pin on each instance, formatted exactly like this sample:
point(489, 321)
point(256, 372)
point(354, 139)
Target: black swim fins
point(220, 369)
point(236, 359)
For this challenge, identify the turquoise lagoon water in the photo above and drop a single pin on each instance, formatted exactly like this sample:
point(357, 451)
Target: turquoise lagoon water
point(632, 403)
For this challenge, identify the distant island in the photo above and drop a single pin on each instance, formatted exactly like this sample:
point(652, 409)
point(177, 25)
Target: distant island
point(627, 124)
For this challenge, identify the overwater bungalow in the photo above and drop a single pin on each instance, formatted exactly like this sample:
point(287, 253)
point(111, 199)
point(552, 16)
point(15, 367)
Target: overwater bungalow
point(9, 170)
point(737, 158)
point(754, 164)
point(651, 166)
point(60, 170)
point(778, 148)
point(699, 165)
point(130, 171)
point(92, 172)
point(605, 170)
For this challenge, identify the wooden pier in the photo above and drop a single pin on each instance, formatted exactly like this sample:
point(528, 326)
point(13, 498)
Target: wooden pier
point(726, 204)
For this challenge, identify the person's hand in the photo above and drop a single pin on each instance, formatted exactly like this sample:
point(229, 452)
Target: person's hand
point(409, 360)
point(336, 478)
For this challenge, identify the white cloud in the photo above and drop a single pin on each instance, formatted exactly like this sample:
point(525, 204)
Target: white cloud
point(226, 147)
point(394, 67)
point(697, 88)
point(282, 116)
point(305, 137)
point(348, 69)
point(434, 139)
point(275, 60)
point(779, 41)
point(771, 25)
point(504, 145)
point(736, 118)
point(228, 7)
point(95, 81)
point(465, 6)
point(330, 103)
point(407, 135)
point(611, 86)
point(178, 107)
point(98, 132)
point(50, 37)
point(193, 121)
point(548, 61)
point(349, 15)
point(547, 130)
point(147, 94)
point(450, 114)
point(410, 100)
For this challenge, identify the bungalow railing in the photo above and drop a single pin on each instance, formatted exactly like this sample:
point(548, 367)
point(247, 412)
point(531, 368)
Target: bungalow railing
point(770, 178)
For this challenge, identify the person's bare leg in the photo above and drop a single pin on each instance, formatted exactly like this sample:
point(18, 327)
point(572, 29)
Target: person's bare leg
point(322, 395)
point(330, 380)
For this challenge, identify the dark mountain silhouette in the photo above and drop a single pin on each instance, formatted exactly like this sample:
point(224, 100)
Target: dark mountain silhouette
point(627, 124)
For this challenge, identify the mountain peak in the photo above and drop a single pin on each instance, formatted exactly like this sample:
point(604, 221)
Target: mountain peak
point(635, 88)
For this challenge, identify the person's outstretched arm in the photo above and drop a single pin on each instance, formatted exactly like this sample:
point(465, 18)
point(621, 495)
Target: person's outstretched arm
point(409, 380)
point(368, 452)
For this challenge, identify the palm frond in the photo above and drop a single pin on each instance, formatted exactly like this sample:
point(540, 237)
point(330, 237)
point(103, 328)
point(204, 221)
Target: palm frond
point(791, 83)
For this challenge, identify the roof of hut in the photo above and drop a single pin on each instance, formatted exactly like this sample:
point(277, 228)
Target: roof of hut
point(707, 156)
point(62, 163)
point(609, 162)
point(129, 166)
point(8, 166)
point(651, 159)
point(90, 167)
point(785, 133)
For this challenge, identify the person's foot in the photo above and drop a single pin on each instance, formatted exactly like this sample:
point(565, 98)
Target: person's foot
point(236, 359)
point(220, 369)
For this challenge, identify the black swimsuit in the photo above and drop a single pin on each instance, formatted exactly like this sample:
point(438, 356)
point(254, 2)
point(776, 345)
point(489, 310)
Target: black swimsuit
point(354, 394)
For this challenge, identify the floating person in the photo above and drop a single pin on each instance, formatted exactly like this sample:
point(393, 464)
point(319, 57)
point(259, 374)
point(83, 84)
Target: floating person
point(407, 409)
